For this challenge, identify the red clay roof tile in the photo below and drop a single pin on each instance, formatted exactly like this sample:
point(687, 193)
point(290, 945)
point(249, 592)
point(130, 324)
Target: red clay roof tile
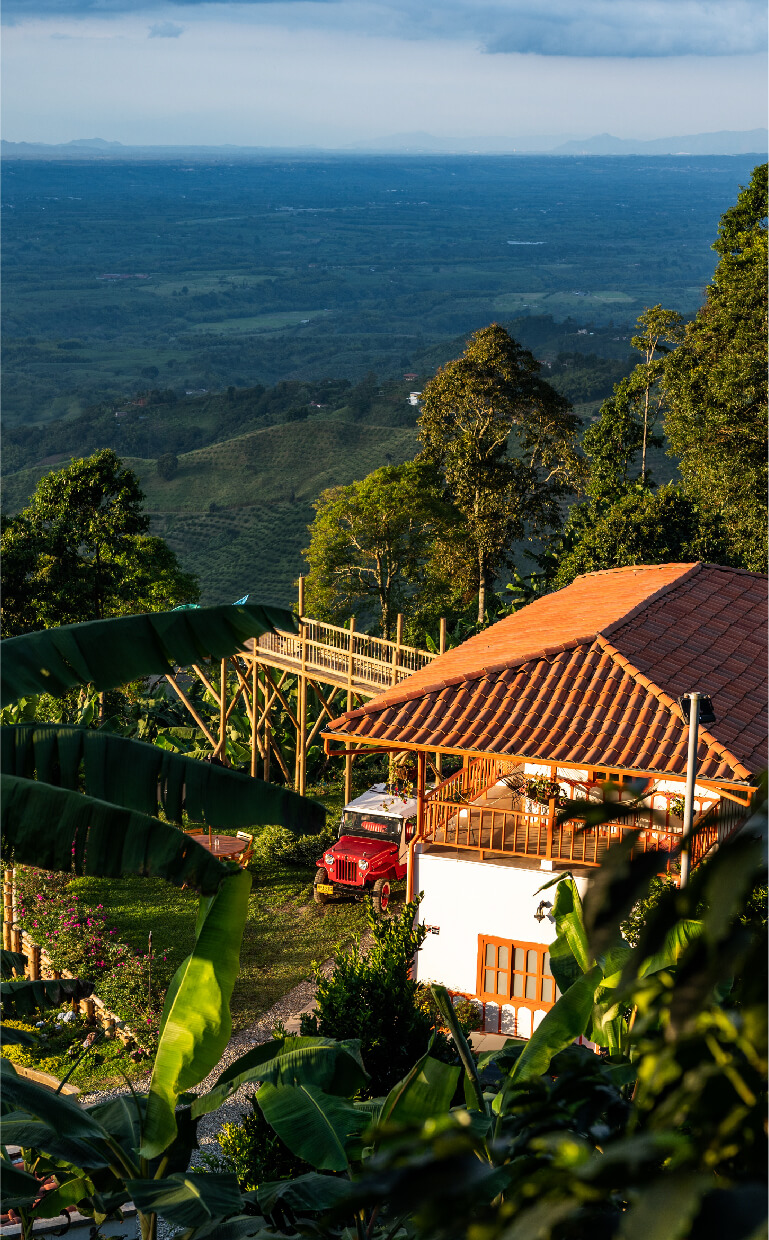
point(539, 685)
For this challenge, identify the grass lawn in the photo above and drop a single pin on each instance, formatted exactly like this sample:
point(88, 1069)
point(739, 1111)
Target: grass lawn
point(285, 931)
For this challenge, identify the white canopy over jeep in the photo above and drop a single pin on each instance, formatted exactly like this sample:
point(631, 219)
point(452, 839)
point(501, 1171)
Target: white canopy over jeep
point(379, 801)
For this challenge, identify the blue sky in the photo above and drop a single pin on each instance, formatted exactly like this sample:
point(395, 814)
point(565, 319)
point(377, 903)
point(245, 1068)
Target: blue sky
point(342, 72)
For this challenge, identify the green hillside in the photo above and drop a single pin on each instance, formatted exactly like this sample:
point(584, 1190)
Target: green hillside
point(237, 512)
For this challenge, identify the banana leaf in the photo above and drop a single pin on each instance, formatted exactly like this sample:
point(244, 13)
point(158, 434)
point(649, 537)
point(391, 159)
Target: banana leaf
point(108, 653)
point(145, 777)
point(10, 963)
point(304, 1194)
point(55, 829)
point(19, 1187)
point(567, 1020)
point(17, 1037)
point(65, 1117)
point(196, 1022)
point(333, 1066)
point(21, 996)
point(425, 1091)
point(188, 1200)
point(316, 1126)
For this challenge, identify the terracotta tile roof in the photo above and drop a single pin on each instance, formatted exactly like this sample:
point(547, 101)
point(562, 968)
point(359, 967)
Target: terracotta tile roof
point(589, 675)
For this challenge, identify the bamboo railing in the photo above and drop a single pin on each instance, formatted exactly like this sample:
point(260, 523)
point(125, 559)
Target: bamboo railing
point(371, 663)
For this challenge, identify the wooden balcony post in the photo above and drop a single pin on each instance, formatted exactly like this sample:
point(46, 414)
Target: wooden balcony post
point(550, 826)
point(441, 650)
point(418, 834)
point(350, 668)
point(254, 711)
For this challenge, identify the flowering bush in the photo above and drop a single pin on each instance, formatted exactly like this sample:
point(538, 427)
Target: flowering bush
point(78, 938)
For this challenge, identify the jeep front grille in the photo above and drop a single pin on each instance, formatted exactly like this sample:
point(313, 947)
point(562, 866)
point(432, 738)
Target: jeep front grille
point(347, 870)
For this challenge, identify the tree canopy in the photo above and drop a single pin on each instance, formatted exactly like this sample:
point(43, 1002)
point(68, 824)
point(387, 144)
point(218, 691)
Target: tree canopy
point(369, 542)
point(715, 383)
point(81, 550)
point(503, 443)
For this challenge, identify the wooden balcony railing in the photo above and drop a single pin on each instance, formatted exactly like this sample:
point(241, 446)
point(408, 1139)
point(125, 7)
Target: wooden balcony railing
point(367, 662)
point(474, 811)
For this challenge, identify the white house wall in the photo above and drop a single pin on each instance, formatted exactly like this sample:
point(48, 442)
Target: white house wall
point(465, 899)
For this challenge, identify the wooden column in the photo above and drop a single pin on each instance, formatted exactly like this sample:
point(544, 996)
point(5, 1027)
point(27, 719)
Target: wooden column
point(222, 746)
point(397, 650)
point(300, 781)
point(441, 650)
point(348, 757)
point(254, 712)
point(267, 740)
point(421, 772)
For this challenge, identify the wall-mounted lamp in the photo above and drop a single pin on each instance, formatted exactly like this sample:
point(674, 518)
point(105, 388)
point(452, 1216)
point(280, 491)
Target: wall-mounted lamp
point(540, 914)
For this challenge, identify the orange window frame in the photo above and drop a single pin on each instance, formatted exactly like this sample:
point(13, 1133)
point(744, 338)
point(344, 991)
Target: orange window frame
point(520, 973)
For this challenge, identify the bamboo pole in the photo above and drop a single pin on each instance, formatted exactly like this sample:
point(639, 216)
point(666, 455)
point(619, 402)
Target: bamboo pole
point(254, 708)
point(348, 756)
point(397, 648)
point(186, 702)
point(7, 908)
point(301, 740)
point(221, 747)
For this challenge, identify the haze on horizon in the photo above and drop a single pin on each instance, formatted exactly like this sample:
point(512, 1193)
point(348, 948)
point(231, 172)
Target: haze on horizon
point(336, 73)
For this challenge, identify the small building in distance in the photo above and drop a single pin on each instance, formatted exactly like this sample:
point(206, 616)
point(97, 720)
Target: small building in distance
point(414, 398)
point(573, 697)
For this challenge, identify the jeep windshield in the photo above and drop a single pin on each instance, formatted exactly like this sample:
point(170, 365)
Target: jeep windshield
point(372, 826)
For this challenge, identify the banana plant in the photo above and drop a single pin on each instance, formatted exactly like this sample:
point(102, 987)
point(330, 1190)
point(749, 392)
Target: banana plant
point(86, 802)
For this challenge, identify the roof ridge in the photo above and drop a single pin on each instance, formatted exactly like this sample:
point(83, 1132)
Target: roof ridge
point(652, 598)
point(642, 679)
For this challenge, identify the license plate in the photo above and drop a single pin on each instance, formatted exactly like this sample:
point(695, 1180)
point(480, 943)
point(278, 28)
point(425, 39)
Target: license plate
point(325, 889)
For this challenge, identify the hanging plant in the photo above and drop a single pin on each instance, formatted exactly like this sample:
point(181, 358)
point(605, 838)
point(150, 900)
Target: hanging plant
point(544, 790)
point(677, 806)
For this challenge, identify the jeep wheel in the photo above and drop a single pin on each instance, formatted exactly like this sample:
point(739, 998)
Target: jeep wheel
point(320, 897)
point(381, 895)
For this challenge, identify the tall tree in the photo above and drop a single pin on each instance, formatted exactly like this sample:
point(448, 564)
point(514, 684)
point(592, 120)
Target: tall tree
point(503, 442)
point(715, 382)
point(81, 550)
point(368, 544)
point(658, 330)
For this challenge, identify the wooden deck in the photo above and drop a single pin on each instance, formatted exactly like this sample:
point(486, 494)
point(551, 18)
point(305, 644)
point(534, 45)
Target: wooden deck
point(340, 657)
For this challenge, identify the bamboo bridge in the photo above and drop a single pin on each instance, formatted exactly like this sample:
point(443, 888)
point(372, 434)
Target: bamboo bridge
point(313, 675)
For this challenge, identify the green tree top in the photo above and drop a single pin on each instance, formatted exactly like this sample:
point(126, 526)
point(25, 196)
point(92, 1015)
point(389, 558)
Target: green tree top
point(81, 550)
point(368, 543)
point(715, 383)
point(503, 442)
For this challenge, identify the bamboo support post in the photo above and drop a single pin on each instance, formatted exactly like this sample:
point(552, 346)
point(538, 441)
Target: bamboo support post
point(221, 749)
point(33, 965)
point(8, 918)
point(254, 713)
point(441, 650)
point(90, 1012)
point(348, 756)
point(397, 648)
point(301, 739)
point(16, 944)
point(186, 702)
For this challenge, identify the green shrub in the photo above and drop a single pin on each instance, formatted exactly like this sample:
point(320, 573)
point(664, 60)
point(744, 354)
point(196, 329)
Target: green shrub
point(370, 995)
point(254, 1151)
point(277, 844)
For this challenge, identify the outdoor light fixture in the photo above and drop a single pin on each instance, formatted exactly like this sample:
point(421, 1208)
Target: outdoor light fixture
point(540, 914)
point(707, 714)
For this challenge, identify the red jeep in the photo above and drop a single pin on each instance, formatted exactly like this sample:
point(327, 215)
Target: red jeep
point(371, 850)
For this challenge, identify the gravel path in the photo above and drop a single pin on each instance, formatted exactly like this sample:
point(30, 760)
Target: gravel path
point(288, 1010)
